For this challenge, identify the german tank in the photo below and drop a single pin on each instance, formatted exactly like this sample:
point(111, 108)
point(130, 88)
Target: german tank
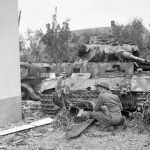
point(119, 65)
point(38, 82)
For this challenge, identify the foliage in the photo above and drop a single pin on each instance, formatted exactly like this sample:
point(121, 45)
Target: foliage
point(133, 32)
point(22, 47)
point(57, 40)
point(146, 39)
point(142, 115)
point(59, 44)
point(63, 120)
point(33, 39)
point(30, 48)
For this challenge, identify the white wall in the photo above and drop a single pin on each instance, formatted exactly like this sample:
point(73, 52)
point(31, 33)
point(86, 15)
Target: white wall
point(9, 50)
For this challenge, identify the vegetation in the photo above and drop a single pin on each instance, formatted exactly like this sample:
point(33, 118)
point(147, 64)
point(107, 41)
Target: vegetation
point(133, 32)
point(30, 48)
point(59, 44)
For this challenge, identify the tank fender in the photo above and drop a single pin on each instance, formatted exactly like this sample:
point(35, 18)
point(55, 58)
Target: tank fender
point(31, 91)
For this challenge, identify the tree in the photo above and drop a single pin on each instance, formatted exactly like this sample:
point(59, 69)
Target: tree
point(131, 33)
point(22, 48)
point(34, 46)
point(22, 42)
point(57, 40)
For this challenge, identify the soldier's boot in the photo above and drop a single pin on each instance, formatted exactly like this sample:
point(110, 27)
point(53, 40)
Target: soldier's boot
point(123, 122)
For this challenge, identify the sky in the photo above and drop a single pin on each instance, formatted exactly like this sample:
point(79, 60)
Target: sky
point(35, 14)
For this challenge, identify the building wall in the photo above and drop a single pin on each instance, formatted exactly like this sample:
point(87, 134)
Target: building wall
point(10, 95)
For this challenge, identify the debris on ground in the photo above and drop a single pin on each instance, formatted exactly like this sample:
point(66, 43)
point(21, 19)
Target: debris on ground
point(53, 136)
point(27, 126)
point(77, 130)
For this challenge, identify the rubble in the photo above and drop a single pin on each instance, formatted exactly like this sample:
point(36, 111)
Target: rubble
point(91, 139)
point(27, 126)
point(53, 136)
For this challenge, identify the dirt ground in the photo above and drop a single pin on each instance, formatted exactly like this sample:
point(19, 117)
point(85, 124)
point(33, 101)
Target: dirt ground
point(135, 137)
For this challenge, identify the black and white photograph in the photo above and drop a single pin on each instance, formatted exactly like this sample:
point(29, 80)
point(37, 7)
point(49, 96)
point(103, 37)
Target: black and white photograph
point(75, 75)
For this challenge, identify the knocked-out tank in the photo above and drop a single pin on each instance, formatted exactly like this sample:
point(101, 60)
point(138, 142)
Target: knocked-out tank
point(38, 79)
point(32, 75)
point(120, 66)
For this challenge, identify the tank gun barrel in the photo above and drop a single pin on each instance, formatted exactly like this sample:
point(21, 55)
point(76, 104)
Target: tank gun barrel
point(128, 55)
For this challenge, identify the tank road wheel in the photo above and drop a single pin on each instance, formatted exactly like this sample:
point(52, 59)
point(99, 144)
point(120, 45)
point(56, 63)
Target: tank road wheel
point(24, 93)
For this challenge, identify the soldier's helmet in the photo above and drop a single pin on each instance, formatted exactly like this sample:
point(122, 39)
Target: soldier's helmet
point(102, 84)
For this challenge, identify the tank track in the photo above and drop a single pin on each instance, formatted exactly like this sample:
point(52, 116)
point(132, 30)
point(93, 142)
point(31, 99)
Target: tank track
point(83, 99)
point(76, 99)
point(47, 104)
point(51, 103)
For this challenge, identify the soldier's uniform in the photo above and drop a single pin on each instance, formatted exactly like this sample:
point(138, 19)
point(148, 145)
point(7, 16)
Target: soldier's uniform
point(112, 114)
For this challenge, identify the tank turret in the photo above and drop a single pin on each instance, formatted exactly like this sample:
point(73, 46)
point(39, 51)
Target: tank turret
point(108, 53)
